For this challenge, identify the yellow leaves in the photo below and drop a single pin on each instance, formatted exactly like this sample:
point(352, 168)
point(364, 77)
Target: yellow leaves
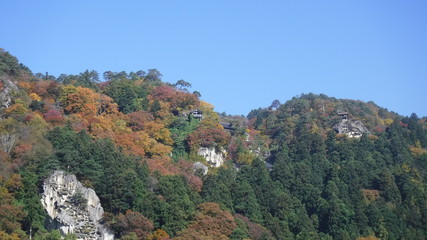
point(120, 126)
point(315, 129)
point(101, 126)
point(209, 115)
point(38, 124)
point(206, 106)
point(5, 236)
point(140, 143)
point(64, 92)
point(417, 151)
point(150, 145)
point(35, 97)
point(245, 157)
point(388, 121)
point(406, 168)
point(158, 131)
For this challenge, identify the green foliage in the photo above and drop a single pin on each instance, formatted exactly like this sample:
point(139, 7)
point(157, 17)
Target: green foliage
point(178, 206)
point(115, 176)
point(313, 184)
point(87, 79)
point(9, 64)
point(127, 95)
point(180, 128)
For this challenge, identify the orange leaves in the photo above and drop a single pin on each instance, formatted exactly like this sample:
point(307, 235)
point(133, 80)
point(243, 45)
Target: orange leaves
point(106, 105)
point(140, 143)
point(16, 111)
point(159, 234)
point(83, 101)
point(24, 85)
point(211, 223)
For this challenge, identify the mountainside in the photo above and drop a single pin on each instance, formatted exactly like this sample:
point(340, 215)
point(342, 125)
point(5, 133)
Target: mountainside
point(165, 165)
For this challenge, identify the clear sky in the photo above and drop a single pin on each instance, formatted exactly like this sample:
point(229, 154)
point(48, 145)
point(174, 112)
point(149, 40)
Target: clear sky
point(240, 55)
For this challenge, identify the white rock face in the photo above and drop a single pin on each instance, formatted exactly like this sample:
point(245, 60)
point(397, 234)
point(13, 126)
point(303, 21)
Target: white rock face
point(59, 200)
point(198, 166)
point(352, 129)
point(6, 93)
point(212, 157)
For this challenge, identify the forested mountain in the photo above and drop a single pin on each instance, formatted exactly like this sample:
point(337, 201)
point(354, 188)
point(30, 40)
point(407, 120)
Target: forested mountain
point(296, 170)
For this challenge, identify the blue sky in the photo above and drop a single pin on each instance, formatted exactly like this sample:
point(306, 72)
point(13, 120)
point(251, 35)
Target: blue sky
point(240, 55)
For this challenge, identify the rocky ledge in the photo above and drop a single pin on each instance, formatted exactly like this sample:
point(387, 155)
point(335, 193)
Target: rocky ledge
point(73, 208)
point(351, 128)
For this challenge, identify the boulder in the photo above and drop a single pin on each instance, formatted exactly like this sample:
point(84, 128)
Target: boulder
point(73, 208)
point(200, 167)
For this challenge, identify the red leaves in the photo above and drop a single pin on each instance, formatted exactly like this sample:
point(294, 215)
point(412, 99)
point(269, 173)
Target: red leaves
point(208, 137)
point(132, 222)
point(211, 223)
point(138, 119)
point(178, 100)
point(54, 117)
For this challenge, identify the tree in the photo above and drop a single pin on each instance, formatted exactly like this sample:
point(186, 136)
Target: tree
point(182, 85)
point(275, 104)
point(88, 79)
point(211, 222)
point(153, 76)
point(129, 96)
point(198, 94)
point(132, 222)
point(245, 201)
point(9, 64)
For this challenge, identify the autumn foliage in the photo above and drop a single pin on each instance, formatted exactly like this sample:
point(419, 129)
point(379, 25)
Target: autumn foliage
point(211, 222)
point(205, 136)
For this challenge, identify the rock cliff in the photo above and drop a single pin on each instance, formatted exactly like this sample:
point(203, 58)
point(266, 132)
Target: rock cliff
point(6, 90)
point(73, 208)
point(213, 158)
point(351, 128)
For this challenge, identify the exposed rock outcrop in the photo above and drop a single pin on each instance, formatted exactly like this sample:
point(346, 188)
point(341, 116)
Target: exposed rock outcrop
point(73, 208)
point(6, 91)
point(200, 167)
point(351, 128)
point(213, 158)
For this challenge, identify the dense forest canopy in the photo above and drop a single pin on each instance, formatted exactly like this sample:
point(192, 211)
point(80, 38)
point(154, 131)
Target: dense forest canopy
point(288, 173)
